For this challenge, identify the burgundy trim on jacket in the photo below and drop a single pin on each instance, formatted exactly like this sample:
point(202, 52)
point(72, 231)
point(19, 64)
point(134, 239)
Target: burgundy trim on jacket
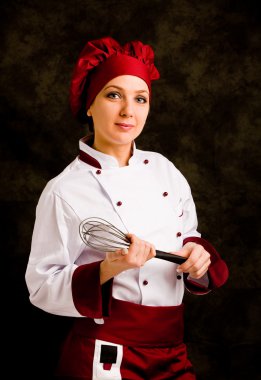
point(85, 157)
point(217, 271)
point(90, 298)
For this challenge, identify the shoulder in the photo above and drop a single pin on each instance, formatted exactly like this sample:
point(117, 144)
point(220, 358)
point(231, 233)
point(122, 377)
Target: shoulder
point(155, 157)
point(159, 160)
point(163, 166)
point(55, 185)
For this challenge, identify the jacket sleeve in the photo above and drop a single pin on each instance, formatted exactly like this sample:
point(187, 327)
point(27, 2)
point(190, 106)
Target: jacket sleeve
point(96, 302)
point(217, 273)
point(55, 282)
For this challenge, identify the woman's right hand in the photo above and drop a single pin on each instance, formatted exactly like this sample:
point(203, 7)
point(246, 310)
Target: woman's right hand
point(135, 256)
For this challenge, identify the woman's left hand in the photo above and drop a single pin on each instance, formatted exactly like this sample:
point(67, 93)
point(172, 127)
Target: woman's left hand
point(198, 260)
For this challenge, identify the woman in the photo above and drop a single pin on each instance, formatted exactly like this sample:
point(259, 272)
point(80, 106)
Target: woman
point(127, 303)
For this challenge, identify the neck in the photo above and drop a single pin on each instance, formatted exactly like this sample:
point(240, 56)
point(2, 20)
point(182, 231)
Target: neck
point(122, 153)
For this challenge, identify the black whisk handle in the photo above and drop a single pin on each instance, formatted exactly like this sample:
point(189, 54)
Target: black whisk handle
point(170, 257)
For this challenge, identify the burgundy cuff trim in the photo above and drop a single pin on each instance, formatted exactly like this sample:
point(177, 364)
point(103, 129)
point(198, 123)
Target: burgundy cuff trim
point(89, 297)
point(217, 272)
point(195, 288)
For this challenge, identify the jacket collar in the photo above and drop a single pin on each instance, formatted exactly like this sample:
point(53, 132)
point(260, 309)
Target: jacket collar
point(98, 159)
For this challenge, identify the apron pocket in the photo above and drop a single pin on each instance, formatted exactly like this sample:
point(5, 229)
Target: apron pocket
point(107, 360)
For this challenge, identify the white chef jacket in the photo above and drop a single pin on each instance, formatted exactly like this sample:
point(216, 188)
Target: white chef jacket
point(149, 198)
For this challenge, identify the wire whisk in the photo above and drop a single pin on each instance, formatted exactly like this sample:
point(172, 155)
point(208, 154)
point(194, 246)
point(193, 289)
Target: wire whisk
point(103, 236)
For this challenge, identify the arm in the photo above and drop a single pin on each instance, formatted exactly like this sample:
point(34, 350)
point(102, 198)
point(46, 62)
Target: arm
point(55, 282)
point(204, 270)
point(217, 271)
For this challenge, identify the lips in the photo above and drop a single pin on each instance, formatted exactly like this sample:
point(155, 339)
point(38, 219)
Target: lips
point(124, 126)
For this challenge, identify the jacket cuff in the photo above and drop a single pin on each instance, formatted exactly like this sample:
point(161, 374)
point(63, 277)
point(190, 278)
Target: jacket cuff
point(91, 299)
point(217, 271)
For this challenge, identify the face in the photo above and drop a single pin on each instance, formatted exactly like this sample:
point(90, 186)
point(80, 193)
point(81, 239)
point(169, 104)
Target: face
point(119, 112)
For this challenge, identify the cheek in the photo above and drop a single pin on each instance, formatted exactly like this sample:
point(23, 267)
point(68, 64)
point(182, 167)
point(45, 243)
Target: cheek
point(109, 110)
point(102, 114)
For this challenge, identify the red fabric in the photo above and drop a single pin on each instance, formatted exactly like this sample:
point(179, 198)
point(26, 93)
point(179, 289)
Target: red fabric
point(151, 338)
point(85, 157)
point(157, 364)
point(107, 366)
point(113, 67)
point(138, 363)
point(139, 325)
point(102, 60)
point(217, 272)
point(90, 298)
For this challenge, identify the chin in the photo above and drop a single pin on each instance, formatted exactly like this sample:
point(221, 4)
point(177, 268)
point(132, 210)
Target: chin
point(123, 138)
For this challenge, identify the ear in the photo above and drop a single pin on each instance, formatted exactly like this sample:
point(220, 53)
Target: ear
point(89, 112)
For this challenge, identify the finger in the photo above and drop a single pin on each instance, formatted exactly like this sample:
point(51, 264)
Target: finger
point(116, 255)
point(199, 273)
point(124, 251)
point(184, 252)
point(188, 264)
point(139, 252)
point(196, 263)
point(131, 237)
point(197, 270)
point(135, 251)
point(134, 245)
point(152, 252)
point(146, 252)
point(196, 254)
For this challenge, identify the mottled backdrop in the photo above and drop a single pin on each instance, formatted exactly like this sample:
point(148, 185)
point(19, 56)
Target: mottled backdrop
point(205, 117)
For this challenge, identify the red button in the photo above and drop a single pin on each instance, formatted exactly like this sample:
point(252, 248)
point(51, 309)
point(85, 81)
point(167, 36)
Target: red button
point(178, 234)
point(98, 171)
point(165, 194)
point(119, 203)
point(146, 162)
point(145, 282)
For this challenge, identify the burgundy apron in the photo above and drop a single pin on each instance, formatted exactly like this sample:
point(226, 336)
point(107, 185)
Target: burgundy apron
point(136, 342)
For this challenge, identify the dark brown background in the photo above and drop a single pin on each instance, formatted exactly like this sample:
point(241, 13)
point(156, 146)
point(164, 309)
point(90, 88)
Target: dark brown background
point(205, 118)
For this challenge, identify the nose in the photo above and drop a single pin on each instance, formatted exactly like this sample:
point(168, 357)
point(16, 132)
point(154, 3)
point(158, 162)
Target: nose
point(127, 109)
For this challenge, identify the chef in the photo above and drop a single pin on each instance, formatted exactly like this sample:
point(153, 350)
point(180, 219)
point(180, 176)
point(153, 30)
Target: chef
point(127, 303)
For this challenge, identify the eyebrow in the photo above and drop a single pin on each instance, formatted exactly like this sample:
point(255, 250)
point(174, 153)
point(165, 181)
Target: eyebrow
point(122, 89)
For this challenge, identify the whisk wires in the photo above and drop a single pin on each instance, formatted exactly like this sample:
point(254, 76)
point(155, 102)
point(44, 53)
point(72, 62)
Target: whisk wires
point(100, 234)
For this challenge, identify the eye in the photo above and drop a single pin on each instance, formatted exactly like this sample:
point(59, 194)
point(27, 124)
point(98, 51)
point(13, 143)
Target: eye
point(113, 95)
point(141, 99)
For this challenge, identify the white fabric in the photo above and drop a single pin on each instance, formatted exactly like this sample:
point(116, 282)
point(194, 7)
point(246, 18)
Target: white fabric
point(78, 193)
point(98, 372)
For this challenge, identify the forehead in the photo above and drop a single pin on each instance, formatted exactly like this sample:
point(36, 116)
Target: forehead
point(128, 83)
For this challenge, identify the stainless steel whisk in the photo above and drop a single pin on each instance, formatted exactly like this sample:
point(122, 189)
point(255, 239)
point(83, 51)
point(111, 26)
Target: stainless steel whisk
point(99, 234)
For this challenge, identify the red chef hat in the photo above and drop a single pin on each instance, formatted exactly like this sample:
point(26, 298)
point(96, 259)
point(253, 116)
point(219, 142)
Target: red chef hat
point(102, 60)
